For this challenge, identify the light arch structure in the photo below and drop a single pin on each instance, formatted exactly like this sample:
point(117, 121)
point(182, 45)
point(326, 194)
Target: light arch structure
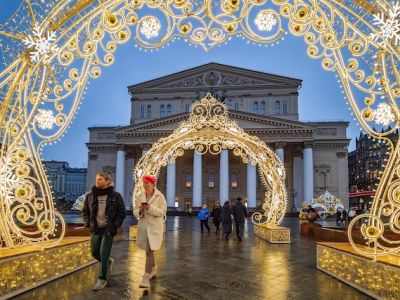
point(50, 50)
point(209, 130)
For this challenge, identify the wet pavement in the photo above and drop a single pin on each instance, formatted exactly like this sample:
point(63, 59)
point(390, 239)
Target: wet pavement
point(192, 265)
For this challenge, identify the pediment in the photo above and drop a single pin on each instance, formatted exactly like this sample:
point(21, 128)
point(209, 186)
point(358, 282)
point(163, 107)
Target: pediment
point(247, 121)
point(215, 76)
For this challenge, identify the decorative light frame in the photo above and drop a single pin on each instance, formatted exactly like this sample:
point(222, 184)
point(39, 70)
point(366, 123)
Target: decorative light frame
point(341, 34)
point(209, 129)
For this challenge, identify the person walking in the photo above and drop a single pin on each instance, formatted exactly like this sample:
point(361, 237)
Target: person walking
point(204, 214)
point(239, 212)
point(150, 210)
point(226, 218)
point(103, 212)
point(216, 217)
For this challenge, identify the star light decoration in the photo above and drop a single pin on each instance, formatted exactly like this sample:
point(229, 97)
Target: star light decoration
point(265, 21)
point(389, 26)
point(45, 119)
point(150, 27)
point(40, 44)
point(383, 114)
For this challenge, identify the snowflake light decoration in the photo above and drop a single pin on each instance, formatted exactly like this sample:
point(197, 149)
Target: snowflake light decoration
point(150, 27)
point(41, 44)
point(265, 21)
point(45, 119)
point(383, 114)
point(389, 28)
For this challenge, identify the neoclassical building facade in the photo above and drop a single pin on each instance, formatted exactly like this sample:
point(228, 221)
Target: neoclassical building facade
point(265, 105)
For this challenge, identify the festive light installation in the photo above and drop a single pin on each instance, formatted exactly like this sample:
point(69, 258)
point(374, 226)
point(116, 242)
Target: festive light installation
point(80, 37)
point(210, 130)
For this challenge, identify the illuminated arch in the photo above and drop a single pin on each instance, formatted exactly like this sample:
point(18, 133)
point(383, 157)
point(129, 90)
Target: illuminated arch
point(209, 129)
point(41, 90)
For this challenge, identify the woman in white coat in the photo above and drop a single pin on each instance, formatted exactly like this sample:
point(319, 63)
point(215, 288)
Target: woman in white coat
point(150, 210)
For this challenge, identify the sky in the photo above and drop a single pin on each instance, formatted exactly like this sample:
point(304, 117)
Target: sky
point(107, 101)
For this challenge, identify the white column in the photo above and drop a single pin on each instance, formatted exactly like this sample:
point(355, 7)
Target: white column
point(224, 176)
point(298, 181)
point(251, 186)
point(130, 165)
point(197, 182)
point(280, 151)
point(171, 184)
point(120, 172)
point(308, 174)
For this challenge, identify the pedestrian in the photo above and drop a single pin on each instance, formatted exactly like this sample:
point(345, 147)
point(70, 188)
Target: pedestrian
point(150, 210)
point(190, 211)
point(216, 217)
point(204, 214)
point(239, 212)
point(103, 212)
point(226, 218)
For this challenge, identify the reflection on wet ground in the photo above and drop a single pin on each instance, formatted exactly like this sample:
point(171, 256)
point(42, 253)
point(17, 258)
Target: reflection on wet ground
point(204, 266)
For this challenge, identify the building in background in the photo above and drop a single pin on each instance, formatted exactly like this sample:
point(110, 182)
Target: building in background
point(67, 183)
point(265, 105)
point(366, 165)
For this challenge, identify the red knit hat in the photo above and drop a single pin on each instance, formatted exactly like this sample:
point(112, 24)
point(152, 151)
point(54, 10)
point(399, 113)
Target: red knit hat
point(149, 179)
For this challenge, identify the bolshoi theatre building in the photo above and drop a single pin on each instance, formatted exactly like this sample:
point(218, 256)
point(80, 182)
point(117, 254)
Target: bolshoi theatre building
point(264, 105)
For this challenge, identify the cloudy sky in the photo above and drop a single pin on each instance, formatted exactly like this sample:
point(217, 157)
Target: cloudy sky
point(107, 101)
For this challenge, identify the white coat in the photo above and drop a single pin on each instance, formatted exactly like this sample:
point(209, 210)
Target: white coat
point(151, 222)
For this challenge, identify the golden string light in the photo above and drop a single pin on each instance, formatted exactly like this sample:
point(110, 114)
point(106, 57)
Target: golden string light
point(41, 90)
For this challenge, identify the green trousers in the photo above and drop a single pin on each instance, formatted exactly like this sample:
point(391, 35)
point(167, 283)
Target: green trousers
point(100, 246)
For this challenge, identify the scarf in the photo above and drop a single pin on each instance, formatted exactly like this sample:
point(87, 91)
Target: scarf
point(100, 192)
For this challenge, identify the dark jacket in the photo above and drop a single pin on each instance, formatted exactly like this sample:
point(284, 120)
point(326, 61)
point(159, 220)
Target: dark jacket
point(239, 212)
point(226, 218)
point(115, 211)
point(216, 214)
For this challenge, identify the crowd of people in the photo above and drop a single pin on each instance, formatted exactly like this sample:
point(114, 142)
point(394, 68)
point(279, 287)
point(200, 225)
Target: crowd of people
point(225, 215)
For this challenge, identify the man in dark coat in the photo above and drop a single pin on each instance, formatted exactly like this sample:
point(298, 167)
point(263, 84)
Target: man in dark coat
point(226, 218)
point(103, 212)
point(239, 212)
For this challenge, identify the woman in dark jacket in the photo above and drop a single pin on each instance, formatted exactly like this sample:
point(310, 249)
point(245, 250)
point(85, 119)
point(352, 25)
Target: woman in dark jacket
point(226, 217)
point(216, 217)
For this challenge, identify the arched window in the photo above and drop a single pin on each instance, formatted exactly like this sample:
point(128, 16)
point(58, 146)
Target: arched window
point(285, 107)
point(262, 110)
point(211, 181)
point(277, 107)
point(234, 180)
point(322, 180)
point(168, 109)
point(149, 111)
point(142, 111)
point(162, 110)
point(255, 107)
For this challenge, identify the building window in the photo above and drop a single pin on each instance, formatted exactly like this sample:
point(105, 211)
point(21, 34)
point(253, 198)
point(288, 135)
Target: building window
point(168, 109)
point(188, 181)
point(187, 107)
point(285, 110)
point(236, 106)
point(211, 181)
point(322, 180)
point(262, 107)
point(234, 182)
point(277, 107)
point(142, 111)
point(255, 107)
point(149, 111)
point(162, 110)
